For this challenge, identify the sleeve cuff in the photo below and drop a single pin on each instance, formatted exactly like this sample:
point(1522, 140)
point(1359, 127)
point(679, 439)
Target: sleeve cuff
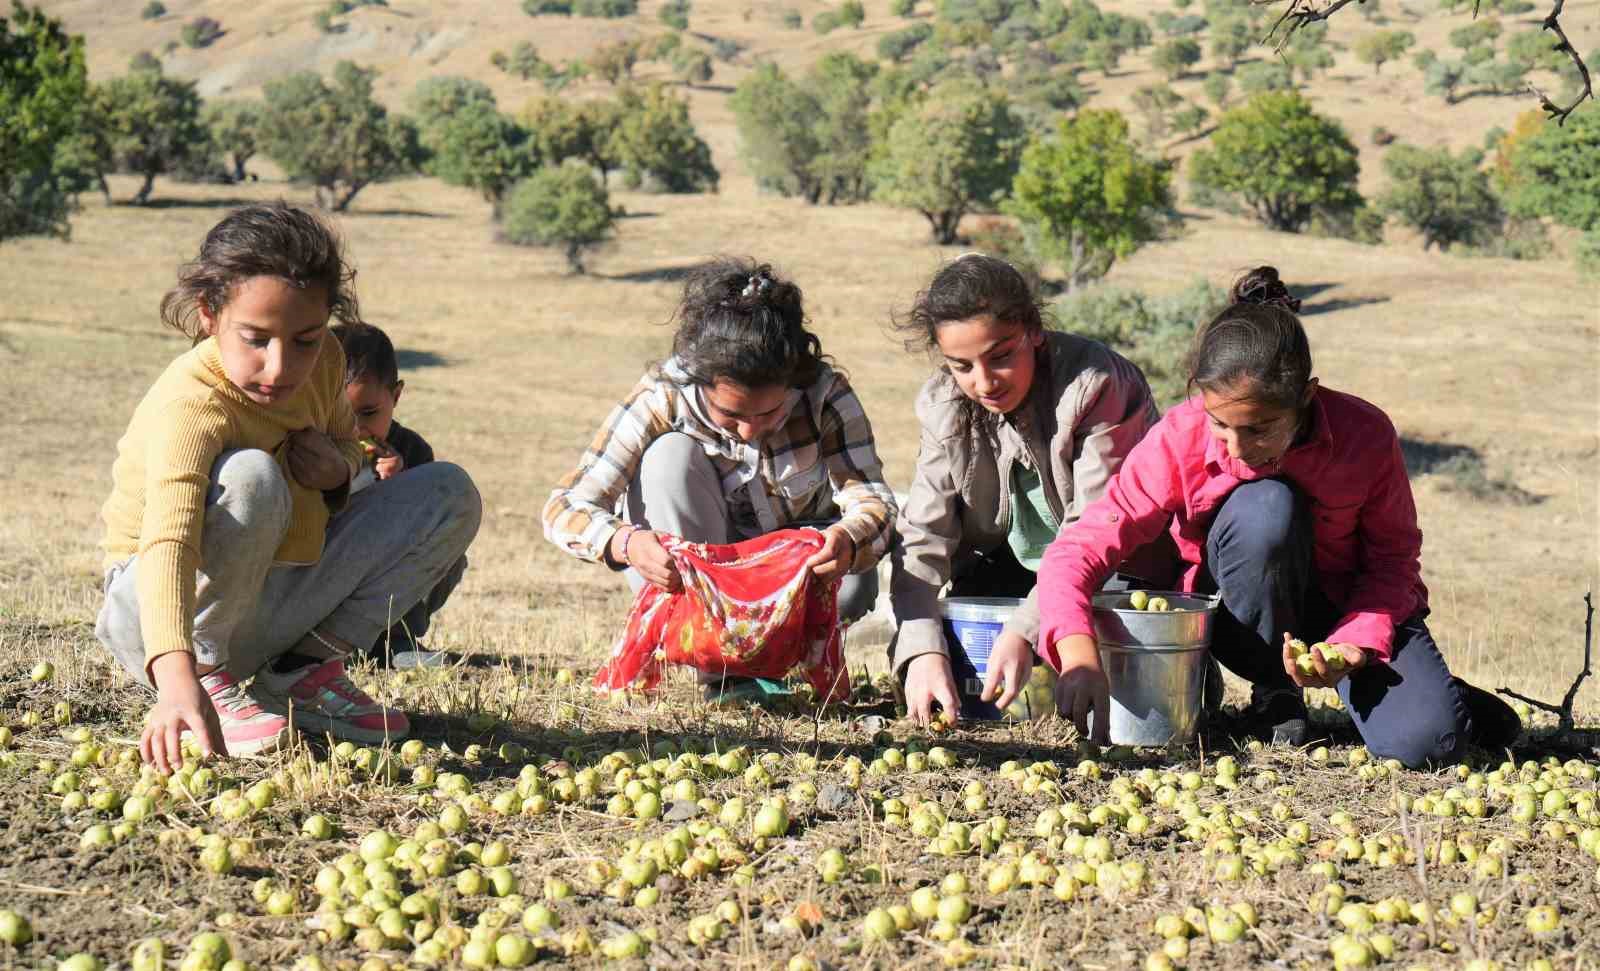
point(1373, 633)
point(916, 638)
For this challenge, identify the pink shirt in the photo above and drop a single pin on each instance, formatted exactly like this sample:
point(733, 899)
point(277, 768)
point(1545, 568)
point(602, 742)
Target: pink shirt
point(1367, 545)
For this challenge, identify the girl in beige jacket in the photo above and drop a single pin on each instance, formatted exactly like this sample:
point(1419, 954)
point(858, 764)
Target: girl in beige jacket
point(1021, 429)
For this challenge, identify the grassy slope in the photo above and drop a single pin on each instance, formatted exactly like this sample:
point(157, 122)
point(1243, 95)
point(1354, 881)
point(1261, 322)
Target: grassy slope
point(1494, 355)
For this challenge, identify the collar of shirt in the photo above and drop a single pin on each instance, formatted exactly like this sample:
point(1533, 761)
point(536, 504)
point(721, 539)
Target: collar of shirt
point(1319, 441)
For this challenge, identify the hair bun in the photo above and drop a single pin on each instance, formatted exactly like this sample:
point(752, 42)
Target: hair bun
point(1262, 286)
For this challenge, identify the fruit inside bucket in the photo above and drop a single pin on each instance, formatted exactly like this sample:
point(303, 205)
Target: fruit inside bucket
point(971, 626)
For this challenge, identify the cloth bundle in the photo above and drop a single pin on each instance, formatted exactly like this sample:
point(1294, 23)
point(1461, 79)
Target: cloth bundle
point(745, 609)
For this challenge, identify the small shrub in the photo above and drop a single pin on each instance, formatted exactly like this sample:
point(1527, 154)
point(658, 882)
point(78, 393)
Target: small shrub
point(153, 10)
point(1382, 135)
point(556, 8)
point(825, 23)
point(1153, 332)
point(561, 206)
point(852, 13)
point(902, 8)
point(1587, 253)
point(1265, 76)
point(605, 9)
point(323, 21)
point(201, 32)
point(791, 19)
point(675, 14)
point(144, 61)
point(1518, 239)
point(725, 50)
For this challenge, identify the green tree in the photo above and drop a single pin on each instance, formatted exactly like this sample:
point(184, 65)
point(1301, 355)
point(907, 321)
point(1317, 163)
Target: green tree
point(434, 101)
point(1382, 46)
point(480, 148)
point(954, 153)
point(1534, 49)
point(675, 14)
point(614, 62)
point(1216, 88)
point(608, 9)
point(1230, 39)
point(808, 137)
point(654, 139)
point(902, 8)
point(1262, 76)
point(1155, 102)
point(44, 103)
point(1478, 32)
point(1088, 197)
point(1444, 78)
point(154, 10)
point(523, 61)
point(562, 206)
point(201, 32)
point(1554, 171)
point(1445, 197)
point(1175, 57)
point(562, 129)
point(1285, 161)
point(898, 45)
point(336, 137)
point(693, 65)
point(233, 126)
point(152, 125)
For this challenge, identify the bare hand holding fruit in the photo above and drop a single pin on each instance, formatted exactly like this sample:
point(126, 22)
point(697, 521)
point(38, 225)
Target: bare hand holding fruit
point(928, 679)
point(315, 462)
point(1320, 665)
point(390, 465)
point(181, 702)
point(1010, 663)
point(1082, 687)
point(642, 550)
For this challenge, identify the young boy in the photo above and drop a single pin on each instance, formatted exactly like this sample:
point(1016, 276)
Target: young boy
point(372, 385)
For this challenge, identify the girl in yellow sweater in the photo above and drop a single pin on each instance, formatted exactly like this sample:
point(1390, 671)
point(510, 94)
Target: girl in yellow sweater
point(234, 550)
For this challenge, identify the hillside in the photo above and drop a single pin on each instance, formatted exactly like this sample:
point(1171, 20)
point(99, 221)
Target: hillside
point(514, 361)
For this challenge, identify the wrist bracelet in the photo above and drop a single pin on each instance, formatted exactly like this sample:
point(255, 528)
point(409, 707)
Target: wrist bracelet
point(627, 537)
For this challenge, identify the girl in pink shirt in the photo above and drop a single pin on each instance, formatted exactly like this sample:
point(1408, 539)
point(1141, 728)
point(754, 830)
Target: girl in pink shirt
point(1290, 500)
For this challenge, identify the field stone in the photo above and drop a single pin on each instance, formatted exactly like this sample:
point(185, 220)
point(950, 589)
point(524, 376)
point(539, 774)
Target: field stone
point(681, 809)
point(833, 798)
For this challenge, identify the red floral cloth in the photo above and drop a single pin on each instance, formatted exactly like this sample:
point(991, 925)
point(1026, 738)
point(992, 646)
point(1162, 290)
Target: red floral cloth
point(745, 609)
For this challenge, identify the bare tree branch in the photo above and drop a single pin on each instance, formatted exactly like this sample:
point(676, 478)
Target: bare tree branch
point(1564, 710)
point(1553, 23)
point(1300, 13)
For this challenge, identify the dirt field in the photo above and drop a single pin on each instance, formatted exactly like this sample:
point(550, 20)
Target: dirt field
point(509, 365)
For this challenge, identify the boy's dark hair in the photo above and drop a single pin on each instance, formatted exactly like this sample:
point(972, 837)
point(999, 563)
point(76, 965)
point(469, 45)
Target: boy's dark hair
point(368, 353)
point(974, 285)
point(274, 239)
point(741, 323)
point(1256, 346)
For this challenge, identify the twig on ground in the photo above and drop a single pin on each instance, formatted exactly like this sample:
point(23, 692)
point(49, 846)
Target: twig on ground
point(1564, 710)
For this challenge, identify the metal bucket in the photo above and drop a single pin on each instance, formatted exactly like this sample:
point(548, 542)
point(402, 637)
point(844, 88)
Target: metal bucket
point(1155, 662)
point(971, 626)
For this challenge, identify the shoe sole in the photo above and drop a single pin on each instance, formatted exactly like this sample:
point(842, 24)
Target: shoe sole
point(316, 724)
point(257, 746)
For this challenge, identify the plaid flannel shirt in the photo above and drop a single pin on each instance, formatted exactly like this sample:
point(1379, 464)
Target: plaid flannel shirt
point(821, 463)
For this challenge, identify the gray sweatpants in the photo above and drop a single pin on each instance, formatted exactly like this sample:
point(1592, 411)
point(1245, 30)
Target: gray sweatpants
point(677, 490)
point(384, 552)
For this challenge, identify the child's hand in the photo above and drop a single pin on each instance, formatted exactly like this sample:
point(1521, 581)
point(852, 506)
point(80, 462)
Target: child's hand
point(1083, 687)
point(928, 679)
point(1010, 663)
point(315, 462)
point(180, 703)
point(642, 550)
point(834, 559)
point(388, 463)
point(1321, 675)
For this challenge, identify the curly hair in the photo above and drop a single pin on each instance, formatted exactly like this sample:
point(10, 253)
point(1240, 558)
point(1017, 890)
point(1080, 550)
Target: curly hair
point(275, 240)
point(739, 322)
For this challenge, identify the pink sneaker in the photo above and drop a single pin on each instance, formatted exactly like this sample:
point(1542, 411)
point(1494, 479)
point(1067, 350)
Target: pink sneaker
point(247, 728)
point(322, 698)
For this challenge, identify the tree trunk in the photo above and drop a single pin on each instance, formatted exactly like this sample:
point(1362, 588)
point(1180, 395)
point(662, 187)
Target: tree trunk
point(105, 187)
point(344, 200)
point(143, 195)
point(575, 258)
point(238, 166)
point(944, 223)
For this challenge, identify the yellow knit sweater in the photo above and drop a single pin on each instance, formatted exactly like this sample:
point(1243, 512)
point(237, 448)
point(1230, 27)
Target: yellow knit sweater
point(192, 414)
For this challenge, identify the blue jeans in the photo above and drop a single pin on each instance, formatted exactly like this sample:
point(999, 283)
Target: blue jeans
point(1259, 557)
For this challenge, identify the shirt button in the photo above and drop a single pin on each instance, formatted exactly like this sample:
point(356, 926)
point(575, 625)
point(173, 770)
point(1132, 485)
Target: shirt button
point(1113, 517)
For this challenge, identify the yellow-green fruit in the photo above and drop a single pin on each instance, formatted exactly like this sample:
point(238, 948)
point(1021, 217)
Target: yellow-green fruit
point(1331, 656)
point(772, 820)
point(1297, 647)
point(14, 928)
point(80, 961)
point(150, 955)
point(1306, 665)
point(955, 909)
point(513, 951)
point(1543, 919)
point(43, 671)
point(879, 925)
point(925, 902)
point(623, 946)
point(1138, 600)
point(1158, 605)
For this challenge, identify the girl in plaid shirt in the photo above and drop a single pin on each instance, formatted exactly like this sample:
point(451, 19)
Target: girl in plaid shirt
point(746, 429)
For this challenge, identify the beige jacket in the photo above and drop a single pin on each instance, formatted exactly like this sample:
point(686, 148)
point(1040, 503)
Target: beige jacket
point(1088, 407)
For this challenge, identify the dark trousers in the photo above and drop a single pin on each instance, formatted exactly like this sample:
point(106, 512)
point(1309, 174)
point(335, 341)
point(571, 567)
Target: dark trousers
point(1259, 556)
